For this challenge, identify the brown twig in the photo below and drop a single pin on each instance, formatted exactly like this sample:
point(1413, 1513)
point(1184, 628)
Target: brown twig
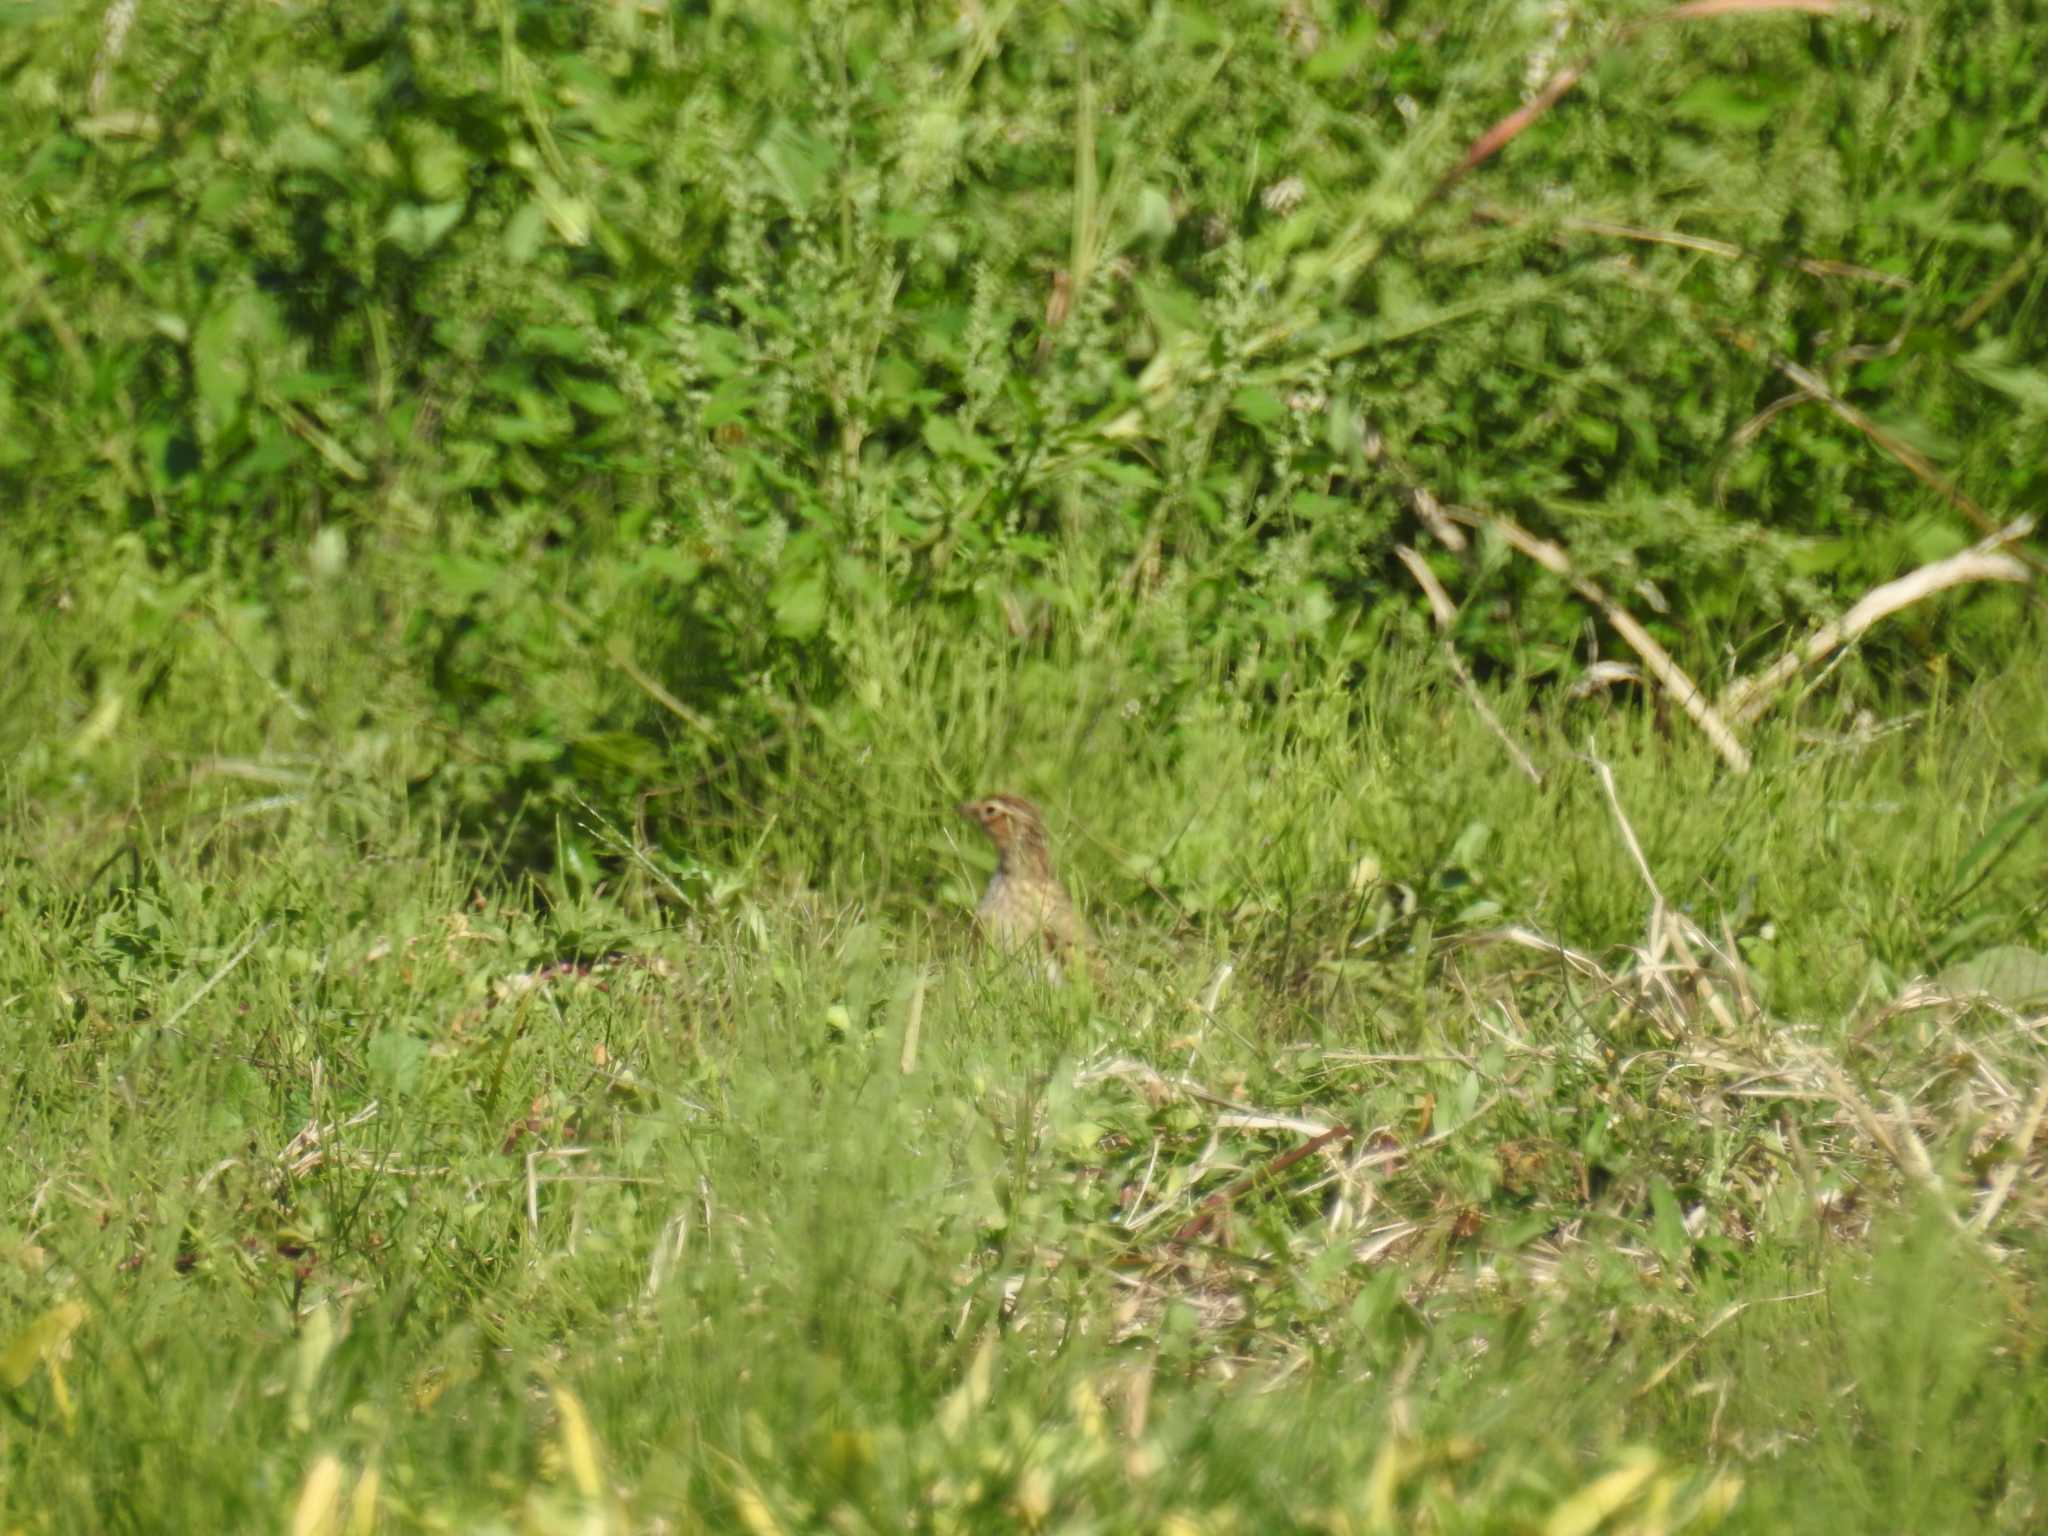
point(1217, 1203)
point(1554, 89)
point(1501, 133)
point(2000, 287)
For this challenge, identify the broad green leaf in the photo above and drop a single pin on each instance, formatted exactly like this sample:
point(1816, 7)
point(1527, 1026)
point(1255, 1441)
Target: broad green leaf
point(438, 166)
point(799, 162)
point(1261, 407)
point(1172, 308)
point(39, 1342)
point(2012, 166)
point(2003, 832)
point(226, 347)
point(731, 401)
point(465, 576)
point(397, 1061)
point(417, 228)
point(1989, 366)
point(593, 395)
point(949, 440)
point(2011, 973)
point(799, 604)
point(1347, 53)
point(1724, 104)
point(525, 230)
point(302, 146)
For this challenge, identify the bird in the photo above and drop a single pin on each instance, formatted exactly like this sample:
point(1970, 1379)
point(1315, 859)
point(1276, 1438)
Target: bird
point(1025, 907)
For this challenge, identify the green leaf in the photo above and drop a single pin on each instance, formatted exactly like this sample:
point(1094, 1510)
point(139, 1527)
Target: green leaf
point(1346, 53)
point(1597, 431)
point(2011, 167)
point(464, 576)
point(1172, 309)
point(1135, 477)
point(226, 347)
point(593, 395)
point(2011, 973)
point(1724, 105)
point(301, 147)
point(41, 1341)
point(440, 169)
point(417, 228)
point(900, 224)
point(569, 217)
point(2003, 833)
point(1990, 366)
point(397, 1062)
point(799, 604)
point(1667, 1225)
point(949, 440)
point(1260, 407)
point(800, 164)
point(563, 341)
point(731, 401)
point(669, 564)
point(618, 751)
point(525, 230)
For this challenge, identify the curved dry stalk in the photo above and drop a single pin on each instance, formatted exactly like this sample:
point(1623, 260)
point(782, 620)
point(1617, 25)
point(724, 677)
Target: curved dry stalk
point(1745, 700)
point(1675, 679)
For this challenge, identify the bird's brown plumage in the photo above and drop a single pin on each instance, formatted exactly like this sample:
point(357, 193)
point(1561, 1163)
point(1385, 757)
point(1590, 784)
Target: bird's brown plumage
point(1024, 907)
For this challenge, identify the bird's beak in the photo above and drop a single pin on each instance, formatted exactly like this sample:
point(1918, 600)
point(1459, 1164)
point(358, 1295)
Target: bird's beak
point(964, 809)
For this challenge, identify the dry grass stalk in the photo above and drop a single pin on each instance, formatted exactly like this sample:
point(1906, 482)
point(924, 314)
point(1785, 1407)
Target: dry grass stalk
point(1430, 513)
point(1745, 700)
point(1503, 132)
point(1706, 245)
point(1700, 10)
point(1444, 612)
point(913, 1025)
point(1218, 1204)
point(1899, 1142)
point(1674, 678)
point(2008, 1175)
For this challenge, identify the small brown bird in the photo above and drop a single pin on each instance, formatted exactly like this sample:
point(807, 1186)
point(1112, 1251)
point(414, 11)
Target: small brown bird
point(1025, 906)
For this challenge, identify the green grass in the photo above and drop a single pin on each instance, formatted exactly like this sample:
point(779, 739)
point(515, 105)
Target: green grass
point(517, 523)
point(338, 1166)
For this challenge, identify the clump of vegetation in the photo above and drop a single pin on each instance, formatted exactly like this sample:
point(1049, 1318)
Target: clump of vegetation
point(1499, 538)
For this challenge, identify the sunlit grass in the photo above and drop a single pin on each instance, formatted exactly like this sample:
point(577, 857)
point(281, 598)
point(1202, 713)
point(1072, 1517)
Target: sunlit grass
point(347, 1149)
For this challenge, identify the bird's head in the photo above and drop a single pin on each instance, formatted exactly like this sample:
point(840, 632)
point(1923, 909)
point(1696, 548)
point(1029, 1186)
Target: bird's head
point(1011, 822)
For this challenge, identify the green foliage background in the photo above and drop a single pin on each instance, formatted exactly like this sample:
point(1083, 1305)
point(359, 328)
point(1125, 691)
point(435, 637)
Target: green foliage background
point(487, 486)
point(538, 346)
